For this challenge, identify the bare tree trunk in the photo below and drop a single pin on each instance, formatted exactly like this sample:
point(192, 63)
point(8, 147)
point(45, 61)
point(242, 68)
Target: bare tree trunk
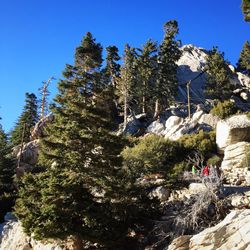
point(157, 108)
point(144, 98)
point(125, 108)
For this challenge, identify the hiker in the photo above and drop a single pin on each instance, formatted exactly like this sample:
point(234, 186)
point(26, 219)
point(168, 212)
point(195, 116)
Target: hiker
point(194, 170)
point(205, 171)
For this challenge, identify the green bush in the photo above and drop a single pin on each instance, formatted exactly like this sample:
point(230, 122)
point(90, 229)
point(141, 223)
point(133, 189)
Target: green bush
point(152, 154)
point(203, 142)
point(214, 160)
point(224, 109)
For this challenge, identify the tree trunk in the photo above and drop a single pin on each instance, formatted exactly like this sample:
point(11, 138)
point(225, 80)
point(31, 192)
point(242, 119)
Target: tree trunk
point(125, 108)
point(157, 108)
point(144, 98)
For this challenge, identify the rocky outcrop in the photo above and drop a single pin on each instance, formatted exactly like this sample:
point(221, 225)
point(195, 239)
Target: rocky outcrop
point(176, 126)
point(233, 130)
point(29, 152)
point(14, 238)
point(40, 127)
point(136, 125)
point(191, 66)
point(231, 233)
point(236, 163)
point(28, 156)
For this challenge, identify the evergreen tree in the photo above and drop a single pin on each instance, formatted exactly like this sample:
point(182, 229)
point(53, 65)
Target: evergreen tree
point(112, 69)
point(218, 84)
point(128, 81)
point(246, 9)
point(111, 74)
point(169, 53)
point(147, 71)
point(88, 56)
point(6, 176)
point(28, 118)
point(243, 64)
point(79, 192)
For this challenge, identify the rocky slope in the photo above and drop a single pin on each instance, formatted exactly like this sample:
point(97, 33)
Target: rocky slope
point(232, 233)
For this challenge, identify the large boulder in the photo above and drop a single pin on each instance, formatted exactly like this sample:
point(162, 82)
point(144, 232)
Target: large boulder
point(232, 130)
point(176, 127)
point(209, 119)
point(136, 125)
point(29, 152)
point(235, 164)
point(156, 127)
point(231, 233)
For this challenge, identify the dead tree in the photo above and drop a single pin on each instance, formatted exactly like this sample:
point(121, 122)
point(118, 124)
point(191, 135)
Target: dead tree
point(44, 99)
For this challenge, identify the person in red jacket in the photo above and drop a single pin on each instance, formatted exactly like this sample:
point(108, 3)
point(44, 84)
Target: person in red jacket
point(206, 171)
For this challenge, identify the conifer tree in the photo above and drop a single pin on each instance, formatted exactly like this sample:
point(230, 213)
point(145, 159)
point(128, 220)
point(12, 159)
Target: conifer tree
point(169, 53)
point(29, 117)
point(218, 84)
point(112, 69)
point(6, 176)
point(127, 82)
point(245, 5)
point(147, 71)
point(243, 64)
point(111, 74)
point(79, 192)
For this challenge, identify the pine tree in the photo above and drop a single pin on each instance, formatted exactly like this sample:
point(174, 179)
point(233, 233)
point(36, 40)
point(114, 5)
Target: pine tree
point(78, 194)
point(245, 6)
point(111, 74)
point(128, 81)
point(112, 69)
point(218, 84)
point(28, 118)
point(169, 53)
point(147, 71)
point(6, 176)
point(243, 64)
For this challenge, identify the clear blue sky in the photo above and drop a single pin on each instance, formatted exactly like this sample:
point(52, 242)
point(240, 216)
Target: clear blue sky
point(38, 37)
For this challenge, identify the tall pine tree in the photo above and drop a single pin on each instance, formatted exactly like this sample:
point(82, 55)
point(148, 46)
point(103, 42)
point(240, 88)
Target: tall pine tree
point(127, 82)
point(112, 69)
point(169, 53)
point(147, 72)
point(27, 119)
point(243, 64)
point(79, 193)
point(218, 84)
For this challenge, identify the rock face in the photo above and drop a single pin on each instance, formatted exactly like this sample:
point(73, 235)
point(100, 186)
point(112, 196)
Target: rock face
point(236, 163)
point(13, 238)
point(233, 130)
point(191, 65)
point(232, 233)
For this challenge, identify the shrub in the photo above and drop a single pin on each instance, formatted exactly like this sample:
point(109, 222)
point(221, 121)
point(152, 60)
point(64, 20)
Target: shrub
point(224, 109)
point(203, 142)
point(214, 160)
point(151, 155)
